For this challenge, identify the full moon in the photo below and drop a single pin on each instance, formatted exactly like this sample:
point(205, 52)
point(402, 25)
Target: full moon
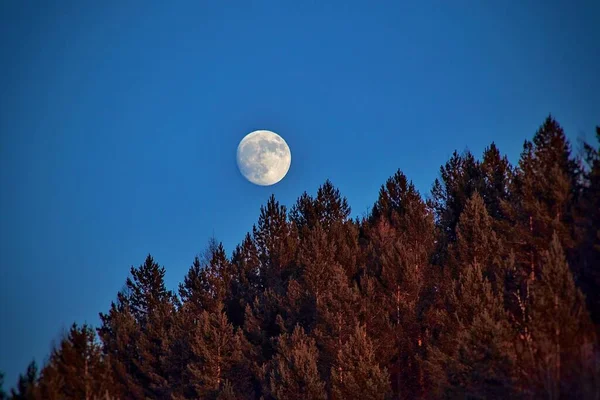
point(263, 157)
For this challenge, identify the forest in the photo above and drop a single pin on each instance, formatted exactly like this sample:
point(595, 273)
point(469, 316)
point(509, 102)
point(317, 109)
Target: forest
point(487, 287)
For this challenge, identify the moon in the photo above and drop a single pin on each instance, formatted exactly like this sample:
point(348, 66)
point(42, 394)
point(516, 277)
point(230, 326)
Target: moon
point(263, 157)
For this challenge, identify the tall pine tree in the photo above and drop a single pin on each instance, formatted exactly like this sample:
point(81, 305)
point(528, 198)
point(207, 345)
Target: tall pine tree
point(293, 373)
point(558, 326)
point(590, 223)
point(356, 374)
point(401, 240)
point(76, 368)
point(216, 357)
point(136, 332)
point(543, 197)
point(276, 245)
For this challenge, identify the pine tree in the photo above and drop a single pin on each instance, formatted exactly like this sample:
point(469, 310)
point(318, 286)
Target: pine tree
point(473, 356)
point(590, 222)
point(207, 282)
point(558, 326)
point(543, 196)
point(476, 242)
point(305, 213)
point(317, 262)
point(245, 281)
point(461, 176)
point(216, 357)
point(276, 243)
point(356, 373)
point(136, 332)
point(206, 286)
point(497, 176)
point(336, 316)
point(330, 211)
point(401, 241)
point(293, 374)
point(328, 208)
point(330, 300)
point(76, 368)
point(27, 385)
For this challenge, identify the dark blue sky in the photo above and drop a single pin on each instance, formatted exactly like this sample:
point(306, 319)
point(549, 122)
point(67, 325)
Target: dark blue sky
point(119, 123)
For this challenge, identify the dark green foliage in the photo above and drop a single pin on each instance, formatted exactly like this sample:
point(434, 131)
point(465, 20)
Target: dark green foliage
point(476, 294)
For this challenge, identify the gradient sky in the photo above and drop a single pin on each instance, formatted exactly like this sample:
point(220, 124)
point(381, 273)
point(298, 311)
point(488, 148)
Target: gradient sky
point(119, 123)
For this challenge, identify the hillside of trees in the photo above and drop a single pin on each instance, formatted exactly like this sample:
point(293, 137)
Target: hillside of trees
point(489, 289)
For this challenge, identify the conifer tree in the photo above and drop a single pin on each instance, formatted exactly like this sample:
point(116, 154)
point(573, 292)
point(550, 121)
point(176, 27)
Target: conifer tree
point(136, 332)
point(332, 205)
point(27, 385)
point(475, 294)
point(331, 301)
point(293, 373)
point(119, 334)
point(461, 176)
point(262, 322)
point(206, 284)
point(476, 242)
point(401, 240)
point(317, 262)
point(590, 223)
point(558, 325)
point(543, 195)
point(216, 357)
point(473, 354)
point(356, 373)
point(376, 323)
point(205, 287)
point(497, 177)
point(75, 369)
point(474, 357)
point(305, 213)
point(245, 281)
point(275, 243)
point(329, 210)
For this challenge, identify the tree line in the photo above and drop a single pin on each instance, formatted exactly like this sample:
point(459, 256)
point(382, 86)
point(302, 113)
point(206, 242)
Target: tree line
point(488, 289)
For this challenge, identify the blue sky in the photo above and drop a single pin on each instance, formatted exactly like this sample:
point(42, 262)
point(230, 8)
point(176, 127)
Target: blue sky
point(119, 123)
